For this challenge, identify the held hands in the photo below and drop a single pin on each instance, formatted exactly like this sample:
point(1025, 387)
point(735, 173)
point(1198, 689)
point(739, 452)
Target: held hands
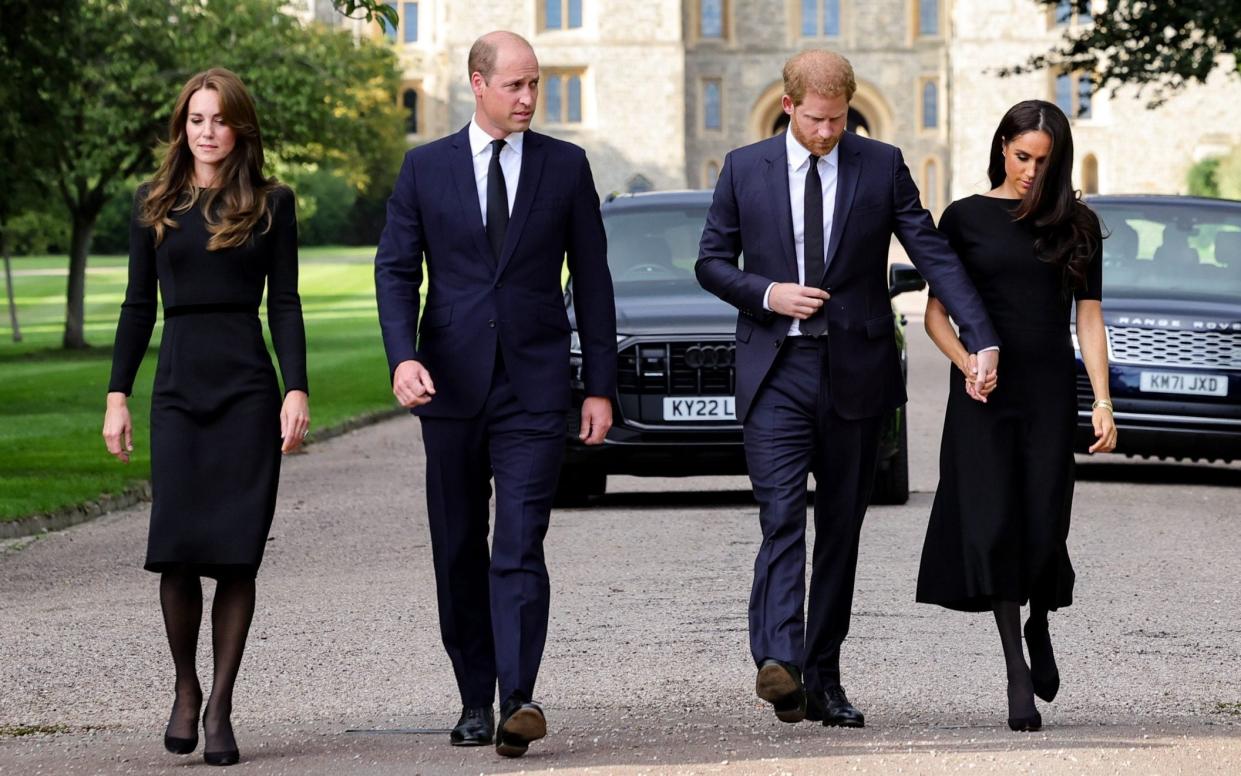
point(796, 301)
point(294, 420)
point(1104, 430)
point(596, 419)
point(411, 384)
point(981, 374)
point(118, 428)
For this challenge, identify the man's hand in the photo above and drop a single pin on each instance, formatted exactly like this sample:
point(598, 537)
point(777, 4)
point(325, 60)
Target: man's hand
point(796, 301)
point(596, 419)
point(986, 366)
point(411, 384)
point(969, 368)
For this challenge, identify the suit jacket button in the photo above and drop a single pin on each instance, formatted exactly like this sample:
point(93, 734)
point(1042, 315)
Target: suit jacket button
point(492, 324)
point(777, 343)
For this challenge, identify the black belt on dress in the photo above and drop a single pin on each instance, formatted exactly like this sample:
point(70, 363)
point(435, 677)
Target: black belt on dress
point(203, 309)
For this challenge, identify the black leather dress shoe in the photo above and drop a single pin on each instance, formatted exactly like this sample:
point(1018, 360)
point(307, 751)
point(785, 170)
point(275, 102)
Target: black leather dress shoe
point(779, 684)
point(1043, 670)
point(838, 712)
point(475, 728)
point(520, 723)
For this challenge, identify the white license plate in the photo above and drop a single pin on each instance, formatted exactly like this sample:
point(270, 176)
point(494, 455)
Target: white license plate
point(700, 408)
point(1187, 384)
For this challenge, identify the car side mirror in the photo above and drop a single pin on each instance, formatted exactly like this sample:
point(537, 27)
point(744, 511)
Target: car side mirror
point(902, 278)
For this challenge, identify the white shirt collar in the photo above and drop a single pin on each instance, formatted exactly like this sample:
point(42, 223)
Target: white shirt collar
point(480, 141)
point(798, 153)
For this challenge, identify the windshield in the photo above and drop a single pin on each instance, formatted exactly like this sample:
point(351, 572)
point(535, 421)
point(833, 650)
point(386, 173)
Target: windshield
point(655, 245)
point(1164, 248)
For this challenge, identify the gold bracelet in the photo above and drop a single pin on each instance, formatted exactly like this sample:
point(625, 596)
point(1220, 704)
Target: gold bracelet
point(1104, 403)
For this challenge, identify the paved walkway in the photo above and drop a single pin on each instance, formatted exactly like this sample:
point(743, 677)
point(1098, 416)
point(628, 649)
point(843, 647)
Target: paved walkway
point(647, 668)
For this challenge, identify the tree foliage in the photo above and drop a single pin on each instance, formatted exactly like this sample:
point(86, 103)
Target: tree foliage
point(100, 78)
point(1158, 46)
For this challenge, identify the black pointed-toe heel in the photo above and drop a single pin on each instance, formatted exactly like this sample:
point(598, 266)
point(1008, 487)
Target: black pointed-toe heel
point(180, 745)
point(230, 757)
point(1026, 724)
point(1044, 674)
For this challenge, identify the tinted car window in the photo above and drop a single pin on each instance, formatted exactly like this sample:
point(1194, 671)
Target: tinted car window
point(654, 245)
point(1188, 249)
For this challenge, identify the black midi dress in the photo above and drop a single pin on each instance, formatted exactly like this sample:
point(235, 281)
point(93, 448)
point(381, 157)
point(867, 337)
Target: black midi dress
point(215, 405)
point(1000, 520)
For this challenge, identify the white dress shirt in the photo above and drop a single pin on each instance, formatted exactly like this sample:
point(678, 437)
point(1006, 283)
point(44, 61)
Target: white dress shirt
point(799, 168)
point(510, 164)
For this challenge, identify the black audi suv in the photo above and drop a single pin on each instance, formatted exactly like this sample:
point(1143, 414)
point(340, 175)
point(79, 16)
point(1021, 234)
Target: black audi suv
point(1172, 306)
point(674, 413)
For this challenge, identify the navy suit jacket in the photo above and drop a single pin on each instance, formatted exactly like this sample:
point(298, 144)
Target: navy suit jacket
point(875, 198)
point(476, 304)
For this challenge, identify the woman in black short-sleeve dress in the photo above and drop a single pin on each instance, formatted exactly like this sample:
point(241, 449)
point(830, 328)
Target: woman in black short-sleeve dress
point(209, 232)
point(998, 528)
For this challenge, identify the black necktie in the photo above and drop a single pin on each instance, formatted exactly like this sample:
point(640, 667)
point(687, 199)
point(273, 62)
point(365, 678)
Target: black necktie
point(497, 201)
point(814, 253)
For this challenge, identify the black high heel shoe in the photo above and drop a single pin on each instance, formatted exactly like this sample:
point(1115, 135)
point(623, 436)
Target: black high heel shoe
point(1026, 724)
point(224, 756)
point(1043, 671)
point(177, 745)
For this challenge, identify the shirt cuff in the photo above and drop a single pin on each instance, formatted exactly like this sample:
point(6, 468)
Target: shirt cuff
point(767, 296)
point(993, 347)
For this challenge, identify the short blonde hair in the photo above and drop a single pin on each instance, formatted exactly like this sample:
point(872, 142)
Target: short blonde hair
point(816, 70)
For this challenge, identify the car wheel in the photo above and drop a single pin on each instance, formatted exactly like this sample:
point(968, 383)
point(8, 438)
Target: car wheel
point(579, 484)
point(892, 475)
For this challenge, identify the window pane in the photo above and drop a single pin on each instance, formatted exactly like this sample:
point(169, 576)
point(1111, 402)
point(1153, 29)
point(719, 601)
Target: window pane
point(1064, 94)
point(712, 19)
point(390, 32)
point(553, 104)
point(713, 173)
point(551, 14)
point(575, 13)
point(410, 21)
point(1064, 11)
point(928, 17)
point(410, 101)
point(831, 17)
point(930, 105)
point(809, 18)
point(575, 100)
point(711, 105)
point(1084, 92)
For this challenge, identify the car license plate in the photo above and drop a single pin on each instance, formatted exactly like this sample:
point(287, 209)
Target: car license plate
point(1187, 384)
point(700, 408)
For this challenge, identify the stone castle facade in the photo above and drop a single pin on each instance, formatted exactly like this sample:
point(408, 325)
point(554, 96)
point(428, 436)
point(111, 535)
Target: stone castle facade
point(658, 91)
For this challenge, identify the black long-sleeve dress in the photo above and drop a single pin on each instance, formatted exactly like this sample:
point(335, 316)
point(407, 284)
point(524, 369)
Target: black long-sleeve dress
point(215, 406)
point(1000, 521)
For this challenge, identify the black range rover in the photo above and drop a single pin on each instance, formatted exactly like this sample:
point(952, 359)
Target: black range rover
point(674, 412)
point(1172, 307)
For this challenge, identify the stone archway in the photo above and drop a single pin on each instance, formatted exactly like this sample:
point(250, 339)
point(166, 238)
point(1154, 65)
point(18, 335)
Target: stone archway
point(869, 113)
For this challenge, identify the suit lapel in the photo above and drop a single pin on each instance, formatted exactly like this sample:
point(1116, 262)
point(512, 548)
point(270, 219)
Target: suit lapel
point(532, 157)
point(462, 165)
point(778, 192)
point(849, 168)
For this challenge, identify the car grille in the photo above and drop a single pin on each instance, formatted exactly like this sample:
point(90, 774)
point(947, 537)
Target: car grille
point(1175, 347)
point(688, 368)
point(1085, 392)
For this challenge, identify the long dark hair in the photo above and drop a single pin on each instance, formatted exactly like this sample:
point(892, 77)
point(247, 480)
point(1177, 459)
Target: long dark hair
point(243, 190)
point(1068, 233)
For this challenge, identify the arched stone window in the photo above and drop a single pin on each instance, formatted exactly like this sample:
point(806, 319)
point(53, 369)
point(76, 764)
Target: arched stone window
point(409, 101)
point(712, 173)
point(930, 105)
point(1090, 174)
point(930, 184)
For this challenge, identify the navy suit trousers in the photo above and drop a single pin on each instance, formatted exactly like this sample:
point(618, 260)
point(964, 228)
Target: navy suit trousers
point(790, 432)
point(493, 607)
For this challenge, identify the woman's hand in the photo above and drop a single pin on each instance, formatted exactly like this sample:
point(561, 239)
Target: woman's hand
point(118, 428)
point(294, 420)
point(1104, 430)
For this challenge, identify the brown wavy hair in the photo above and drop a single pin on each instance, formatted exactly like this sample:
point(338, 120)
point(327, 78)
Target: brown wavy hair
point(242, 195)
point(1068, 232)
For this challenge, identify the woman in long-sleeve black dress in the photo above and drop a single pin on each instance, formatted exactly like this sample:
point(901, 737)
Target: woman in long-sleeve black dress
point(209, 231)
point(999, 525)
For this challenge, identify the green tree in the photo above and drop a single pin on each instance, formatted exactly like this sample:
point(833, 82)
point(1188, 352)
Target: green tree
point(103, 76)
point(1154, 45)
point(1202, 178)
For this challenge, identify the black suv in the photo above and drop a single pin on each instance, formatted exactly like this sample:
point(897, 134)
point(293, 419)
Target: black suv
point(674, 412)
point(1172, 306)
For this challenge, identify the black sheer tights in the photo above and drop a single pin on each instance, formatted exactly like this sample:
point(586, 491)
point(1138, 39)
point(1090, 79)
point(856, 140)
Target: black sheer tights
point(1020, 685)
point(181, 598)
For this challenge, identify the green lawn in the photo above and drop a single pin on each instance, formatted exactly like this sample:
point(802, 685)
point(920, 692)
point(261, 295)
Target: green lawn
point(51, 402)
